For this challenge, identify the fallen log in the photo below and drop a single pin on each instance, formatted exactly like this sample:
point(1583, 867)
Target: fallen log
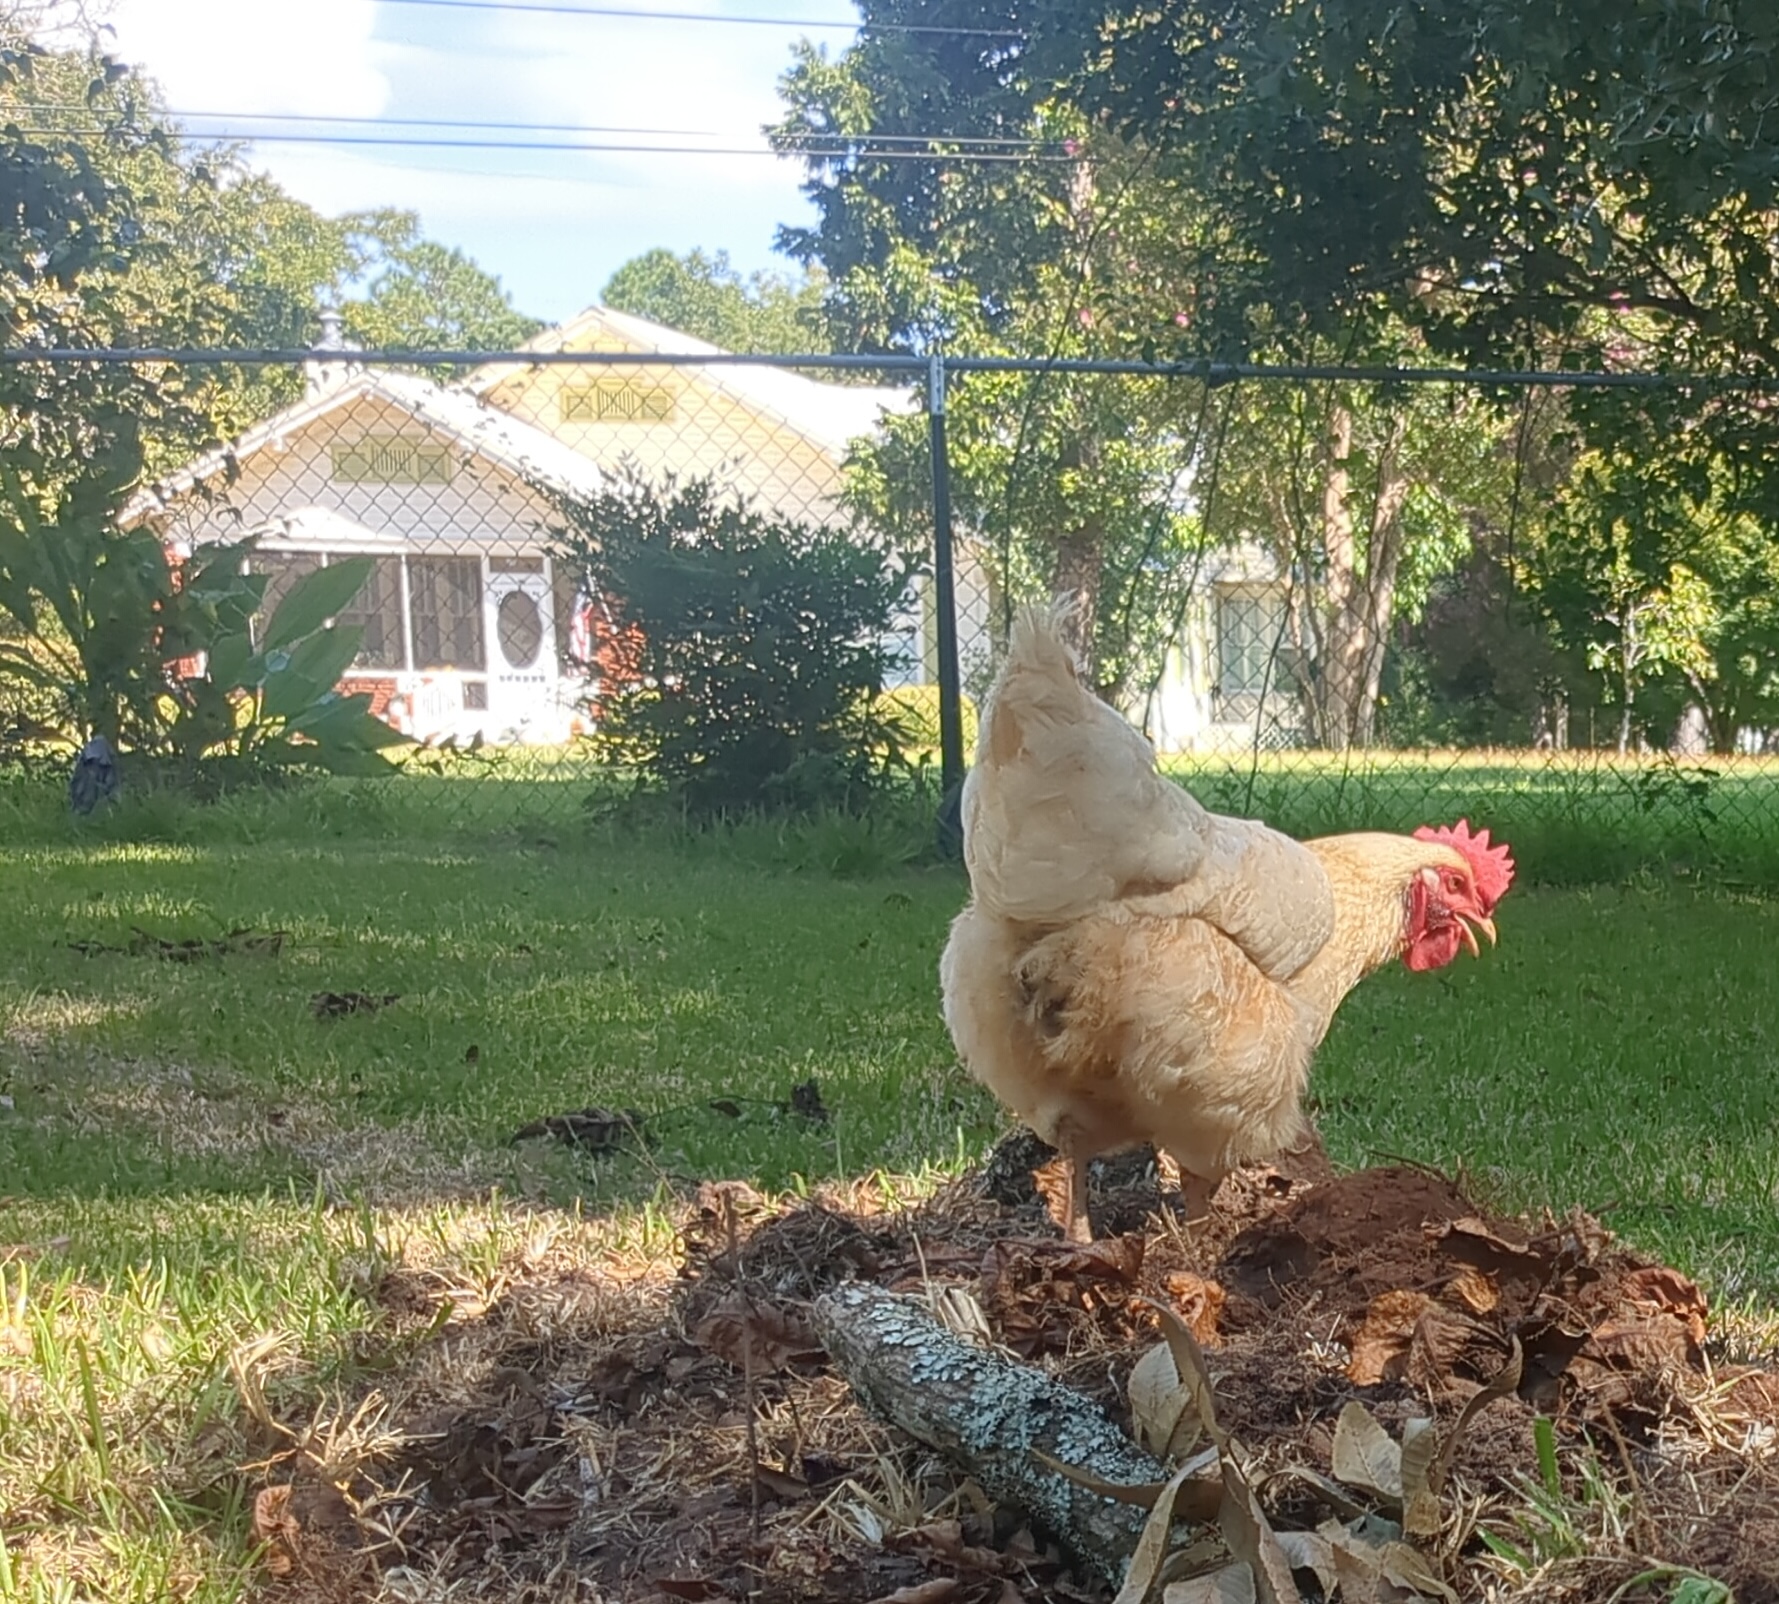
point(991, 1417)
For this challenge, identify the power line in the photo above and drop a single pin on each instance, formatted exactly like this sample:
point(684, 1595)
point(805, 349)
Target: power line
point(544, 8)
point(427, 122)
point(1015, 142)
point(842, 147)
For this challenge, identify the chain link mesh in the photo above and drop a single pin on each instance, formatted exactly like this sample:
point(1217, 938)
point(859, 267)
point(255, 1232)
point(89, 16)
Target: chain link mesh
point(1224, 628)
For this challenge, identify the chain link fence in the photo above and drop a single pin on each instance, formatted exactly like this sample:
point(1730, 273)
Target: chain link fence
point(1282, 566)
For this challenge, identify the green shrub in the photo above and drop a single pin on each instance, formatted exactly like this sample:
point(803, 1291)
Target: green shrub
point(106, 635)
point(747, 658)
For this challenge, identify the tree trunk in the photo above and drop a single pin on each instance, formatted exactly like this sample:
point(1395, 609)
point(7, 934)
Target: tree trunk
point(1337, 671)
point(1383, 561)
point(1359, 586)
point(991, 1417)
point(1079, 570)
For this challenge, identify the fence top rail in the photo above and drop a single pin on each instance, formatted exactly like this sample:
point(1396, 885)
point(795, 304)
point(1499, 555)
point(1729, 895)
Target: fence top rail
point(1210, 372)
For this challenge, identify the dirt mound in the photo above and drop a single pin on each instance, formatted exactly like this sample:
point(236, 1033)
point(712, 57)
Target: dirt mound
point(706, 1450)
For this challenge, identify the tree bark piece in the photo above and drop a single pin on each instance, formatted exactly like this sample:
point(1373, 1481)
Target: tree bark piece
point(987, 1414)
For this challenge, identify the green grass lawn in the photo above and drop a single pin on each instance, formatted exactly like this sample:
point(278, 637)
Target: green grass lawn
point(202, 1167)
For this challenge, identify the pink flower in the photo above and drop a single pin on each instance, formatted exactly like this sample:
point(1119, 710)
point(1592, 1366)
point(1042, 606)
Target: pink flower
point(1085, 316)
point(1071, 147)
point(1182, 319)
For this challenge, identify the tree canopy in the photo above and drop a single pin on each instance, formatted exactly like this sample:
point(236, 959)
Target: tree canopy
point(1459, 180)
point(703, 295)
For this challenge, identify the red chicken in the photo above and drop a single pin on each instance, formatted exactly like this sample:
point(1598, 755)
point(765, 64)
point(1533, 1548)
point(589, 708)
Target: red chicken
point(1132, 968)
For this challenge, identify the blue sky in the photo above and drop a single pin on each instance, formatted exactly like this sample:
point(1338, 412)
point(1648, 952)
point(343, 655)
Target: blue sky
point(552, 225)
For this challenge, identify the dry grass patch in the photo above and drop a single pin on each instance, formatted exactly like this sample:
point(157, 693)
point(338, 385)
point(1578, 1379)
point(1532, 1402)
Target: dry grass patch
point(494, 1401)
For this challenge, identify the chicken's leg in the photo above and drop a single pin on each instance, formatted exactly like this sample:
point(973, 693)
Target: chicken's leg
point(1077, 1227)
point(1196, 1192)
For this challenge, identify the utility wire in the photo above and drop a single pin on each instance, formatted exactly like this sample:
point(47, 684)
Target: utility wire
point(844, 146)
point(848, 141)
point(540, 7)
point(448, 123)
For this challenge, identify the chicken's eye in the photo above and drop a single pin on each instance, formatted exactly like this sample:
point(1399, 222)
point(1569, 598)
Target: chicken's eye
point(1454, 882)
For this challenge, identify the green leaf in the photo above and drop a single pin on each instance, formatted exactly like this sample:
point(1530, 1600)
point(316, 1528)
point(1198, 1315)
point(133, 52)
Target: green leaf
point(315, 598)
point(348, 721)
point(294, 682)
point(228, 661)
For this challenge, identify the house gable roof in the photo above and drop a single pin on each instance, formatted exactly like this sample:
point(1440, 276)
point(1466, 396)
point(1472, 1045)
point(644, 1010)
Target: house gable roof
point(829, 415)
point(520, 448)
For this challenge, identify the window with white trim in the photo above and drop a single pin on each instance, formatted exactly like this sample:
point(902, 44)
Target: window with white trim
point(1250, 640)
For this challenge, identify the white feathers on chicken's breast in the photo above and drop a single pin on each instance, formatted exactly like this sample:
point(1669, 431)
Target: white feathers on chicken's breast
point(1133, 968)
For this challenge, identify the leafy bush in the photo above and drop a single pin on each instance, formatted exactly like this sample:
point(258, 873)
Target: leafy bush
point(110, 637)
point(744, 668)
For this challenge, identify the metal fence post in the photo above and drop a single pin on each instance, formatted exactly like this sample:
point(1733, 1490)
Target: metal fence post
point(951, 714)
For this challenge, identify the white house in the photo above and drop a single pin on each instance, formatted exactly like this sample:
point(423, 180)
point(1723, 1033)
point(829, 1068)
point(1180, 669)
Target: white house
point(469, 628)
point(1227, 685)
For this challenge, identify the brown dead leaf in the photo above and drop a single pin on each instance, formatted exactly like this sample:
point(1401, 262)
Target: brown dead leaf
point(768, 1336)
point(1364, 1454)
point(274, 1526)
point(1161, 1407)
point(1420, 1503)
point(1475, 1289)
point(1118, 1258)
point(1251, 1540)
point(1378, 1346)
point(1189, 1364)
point(1233, 1584)
point(945, 1540)
point(1642, 1345)
point(1200, 1303)
point(1671, 1292)
point(1406, 1567)
point(1476, 1236)
point(1445, 1342)
point(1197, 1498)
point(1360, 1579)
point(1151, 1551)
point(1312, 1552)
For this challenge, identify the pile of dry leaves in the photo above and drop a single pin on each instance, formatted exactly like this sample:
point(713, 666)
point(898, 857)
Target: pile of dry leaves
point(1400, 1393)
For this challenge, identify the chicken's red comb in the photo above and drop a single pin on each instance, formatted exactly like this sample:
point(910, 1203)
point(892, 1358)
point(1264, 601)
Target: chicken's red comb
point(1492, 865)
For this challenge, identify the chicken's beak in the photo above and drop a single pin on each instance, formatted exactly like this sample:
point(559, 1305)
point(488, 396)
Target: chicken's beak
point(1469, 936)
point(1487, 927)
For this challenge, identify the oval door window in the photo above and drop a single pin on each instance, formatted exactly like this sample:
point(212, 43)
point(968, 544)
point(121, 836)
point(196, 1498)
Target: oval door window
point(521, 629)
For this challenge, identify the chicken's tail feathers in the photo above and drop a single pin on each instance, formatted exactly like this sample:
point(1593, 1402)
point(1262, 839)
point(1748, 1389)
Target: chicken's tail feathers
point(1041, 638)
point(1039, 678)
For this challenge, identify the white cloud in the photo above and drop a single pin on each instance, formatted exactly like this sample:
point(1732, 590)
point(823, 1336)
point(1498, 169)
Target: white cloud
point(552, 224)
point(257, 55)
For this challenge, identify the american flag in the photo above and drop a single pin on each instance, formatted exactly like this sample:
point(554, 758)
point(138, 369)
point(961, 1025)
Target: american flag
point(580, 631)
